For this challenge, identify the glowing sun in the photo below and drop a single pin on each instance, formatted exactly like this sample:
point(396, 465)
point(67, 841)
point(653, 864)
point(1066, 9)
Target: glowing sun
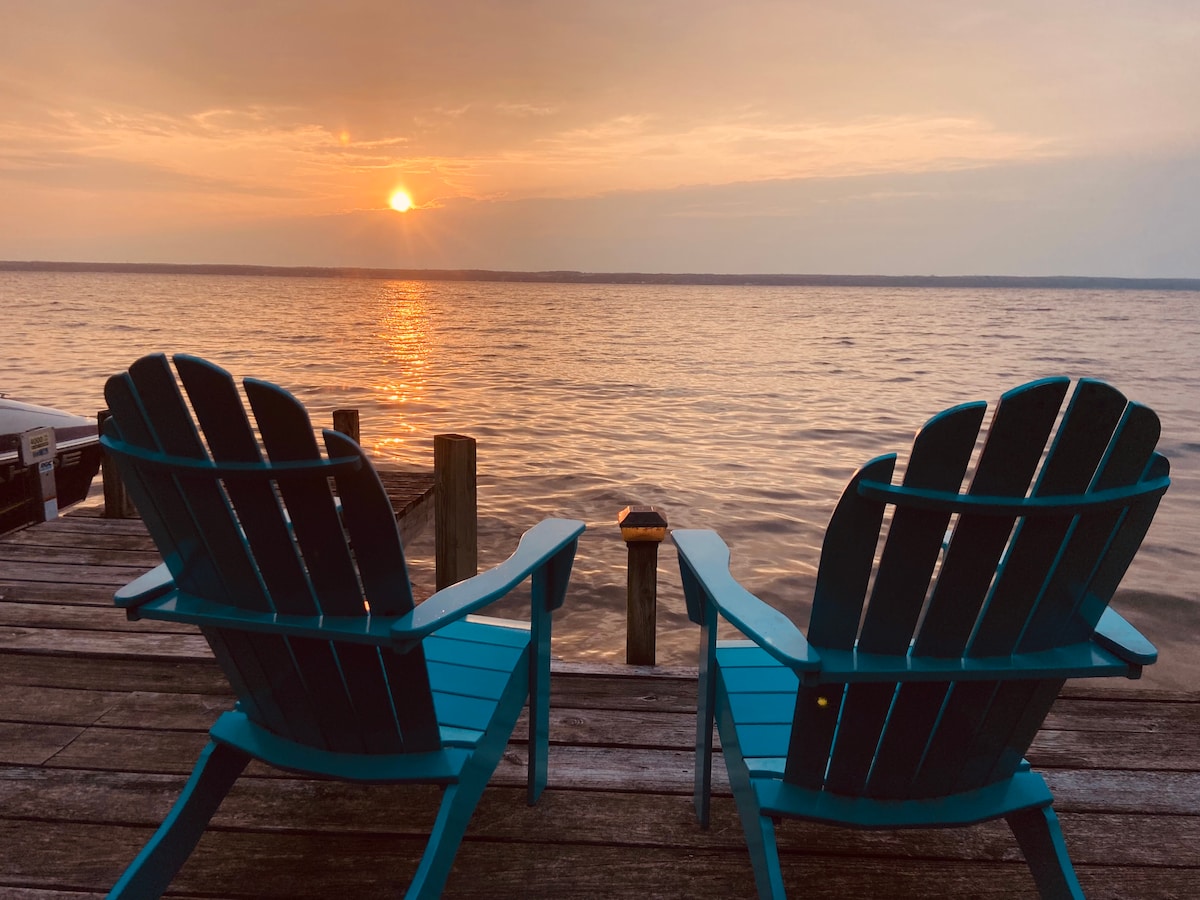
point(400, 201)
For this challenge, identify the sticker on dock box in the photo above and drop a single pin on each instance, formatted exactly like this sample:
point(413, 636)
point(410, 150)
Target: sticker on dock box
point(37, 445)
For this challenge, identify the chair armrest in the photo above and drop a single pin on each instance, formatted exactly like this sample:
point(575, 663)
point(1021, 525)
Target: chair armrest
point(177, 606)
point(707, 558)
point(539, 546)
point(155, 596)
point(146, 587)
point(1116, 635)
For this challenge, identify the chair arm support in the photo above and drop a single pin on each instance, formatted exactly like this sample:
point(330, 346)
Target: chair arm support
point(1116, 635)
point(539, 546)
point(707, 558)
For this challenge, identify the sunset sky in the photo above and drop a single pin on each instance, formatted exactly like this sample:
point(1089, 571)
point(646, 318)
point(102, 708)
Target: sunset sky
point(916, 137)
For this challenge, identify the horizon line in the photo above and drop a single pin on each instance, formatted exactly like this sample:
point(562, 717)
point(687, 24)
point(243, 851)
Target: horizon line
point(567, 276)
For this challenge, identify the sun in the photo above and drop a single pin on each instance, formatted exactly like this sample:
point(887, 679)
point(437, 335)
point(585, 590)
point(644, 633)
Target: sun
point(400, 201)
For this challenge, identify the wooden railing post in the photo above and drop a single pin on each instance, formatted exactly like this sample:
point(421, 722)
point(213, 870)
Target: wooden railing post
point(456, 537)
point(643, 529)
point(346, 422)
point(117, 503)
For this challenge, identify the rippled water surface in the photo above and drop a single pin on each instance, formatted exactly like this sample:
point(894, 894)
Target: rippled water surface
point(745, 409)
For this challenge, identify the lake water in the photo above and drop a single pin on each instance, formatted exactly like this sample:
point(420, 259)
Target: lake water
point(744, 409)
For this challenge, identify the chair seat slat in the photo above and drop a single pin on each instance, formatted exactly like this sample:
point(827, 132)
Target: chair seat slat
point(464, 634)
point(458, 711)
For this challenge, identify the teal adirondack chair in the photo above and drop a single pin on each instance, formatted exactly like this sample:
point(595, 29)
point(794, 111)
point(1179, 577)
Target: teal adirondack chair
point(305, 600)
point(917, 709)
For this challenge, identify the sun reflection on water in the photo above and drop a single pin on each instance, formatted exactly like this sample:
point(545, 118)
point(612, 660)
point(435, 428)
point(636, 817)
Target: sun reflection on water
point(404, 328)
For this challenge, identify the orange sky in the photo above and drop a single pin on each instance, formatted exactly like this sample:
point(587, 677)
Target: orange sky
point(925, 136)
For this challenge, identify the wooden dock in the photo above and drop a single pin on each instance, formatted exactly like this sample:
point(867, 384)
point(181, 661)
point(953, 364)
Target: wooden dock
point(101, 720)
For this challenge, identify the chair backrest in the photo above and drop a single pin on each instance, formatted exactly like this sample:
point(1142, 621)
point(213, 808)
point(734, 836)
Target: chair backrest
point(1025, 560)
point(241, 530)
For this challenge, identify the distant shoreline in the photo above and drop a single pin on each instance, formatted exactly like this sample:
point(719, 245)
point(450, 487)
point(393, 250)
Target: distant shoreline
point(569, 277)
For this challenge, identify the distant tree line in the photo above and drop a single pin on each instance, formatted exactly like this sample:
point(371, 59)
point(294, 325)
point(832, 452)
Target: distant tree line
point(569, 277)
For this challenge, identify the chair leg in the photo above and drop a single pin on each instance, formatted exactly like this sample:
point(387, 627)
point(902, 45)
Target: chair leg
point(704, 750)
point(758, 827)
point(167, 850)
point(705, 705)
point(460, 799)
point(1041, 840)
point(458, 803)
point(539, 705)
point(760, 837)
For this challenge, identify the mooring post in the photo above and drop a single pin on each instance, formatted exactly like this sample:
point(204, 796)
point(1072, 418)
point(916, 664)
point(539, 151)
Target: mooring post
point(456, 536)
point(117, 502)
point(345, 421)
point(643, 529)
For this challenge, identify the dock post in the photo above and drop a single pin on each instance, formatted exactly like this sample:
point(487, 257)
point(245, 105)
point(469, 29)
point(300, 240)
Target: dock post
point(643, 529)
point(346, 422)
point(456, 527)
point(117, 503)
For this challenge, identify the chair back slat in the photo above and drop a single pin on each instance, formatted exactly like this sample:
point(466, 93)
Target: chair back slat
point(847, 559)
point(940, 454)
point(287, 436)
point(371, 523)
point(841, 588)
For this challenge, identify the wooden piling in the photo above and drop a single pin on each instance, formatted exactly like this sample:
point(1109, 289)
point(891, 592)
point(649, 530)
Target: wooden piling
point(456, 527)
point(643, 529)
point(117, 502)
point(346, 421)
